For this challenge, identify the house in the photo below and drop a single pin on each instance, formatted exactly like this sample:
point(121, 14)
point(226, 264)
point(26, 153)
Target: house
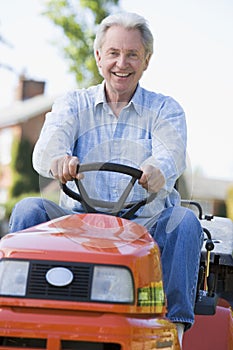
point(211, 193)
point(22, 119)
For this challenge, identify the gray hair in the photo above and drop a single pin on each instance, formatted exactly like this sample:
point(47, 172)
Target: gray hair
point(127, 20)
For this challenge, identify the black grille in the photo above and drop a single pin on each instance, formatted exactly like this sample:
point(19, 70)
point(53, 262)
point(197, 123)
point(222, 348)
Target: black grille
point(40, 344)
point(81, 345)
point(77, 290)
point(14, 342)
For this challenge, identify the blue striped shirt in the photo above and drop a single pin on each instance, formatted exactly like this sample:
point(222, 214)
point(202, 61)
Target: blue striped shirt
point(151, 129)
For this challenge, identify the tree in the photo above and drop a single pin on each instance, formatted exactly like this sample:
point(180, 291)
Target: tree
point(78, 20)
point(25, 179)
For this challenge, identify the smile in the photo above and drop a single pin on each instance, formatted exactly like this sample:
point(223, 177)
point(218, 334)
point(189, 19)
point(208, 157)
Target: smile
point(122, 75)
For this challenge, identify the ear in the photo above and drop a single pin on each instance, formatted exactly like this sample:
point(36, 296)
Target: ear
point(146, 63)
point(98, 58)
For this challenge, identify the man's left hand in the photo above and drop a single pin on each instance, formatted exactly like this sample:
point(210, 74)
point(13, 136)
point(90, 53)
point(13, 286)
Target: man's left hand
point(152, 179)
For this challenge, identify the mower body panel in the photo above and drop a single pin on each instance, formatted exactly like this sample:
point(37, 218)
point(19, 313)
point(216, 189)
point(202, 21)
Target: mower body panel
point(52, 316)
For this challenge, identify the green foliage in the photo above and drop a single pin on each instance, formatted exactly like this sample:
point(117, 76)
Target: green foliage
point(78, 20)
point(25, 179)
point(26, 182)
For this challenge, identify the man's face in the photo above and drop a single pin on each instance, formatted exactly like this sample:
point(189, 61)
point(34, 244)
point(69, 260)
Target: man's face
point(122, 62)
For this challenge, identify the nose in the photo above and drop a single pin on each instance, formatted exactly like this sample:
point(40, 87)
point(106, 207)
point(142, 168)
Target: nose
point(122, 60)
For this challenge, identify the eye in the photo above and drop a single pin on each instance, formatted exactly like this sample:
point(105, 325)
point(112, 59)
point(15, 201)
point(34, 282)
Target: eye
point(113, 53)
point(133, 55)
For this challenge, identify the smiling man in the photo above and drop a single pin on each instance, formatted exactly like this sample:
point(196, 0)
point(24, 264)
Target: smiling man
point(120, 121)
point(122, 63)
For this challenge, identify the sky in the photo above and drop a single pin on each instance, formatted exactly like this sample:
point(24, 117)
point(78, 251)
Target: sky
point(192, 62)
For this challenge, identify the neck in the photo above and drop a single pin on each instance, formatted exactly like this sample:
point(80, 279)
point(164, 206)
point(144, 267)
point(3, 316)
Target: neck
point(116, 101)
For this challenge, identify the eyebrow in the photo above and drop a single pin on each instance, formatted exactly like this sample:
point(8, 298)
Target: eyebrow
point(129, 50)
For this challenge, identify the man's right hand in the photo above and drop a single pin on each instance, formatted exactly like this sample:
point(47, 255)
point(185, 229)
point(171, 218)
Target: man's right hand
point(65, 168)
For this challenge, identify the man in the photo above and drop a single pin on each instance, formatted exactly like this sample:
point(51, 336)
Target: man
point(119, 121)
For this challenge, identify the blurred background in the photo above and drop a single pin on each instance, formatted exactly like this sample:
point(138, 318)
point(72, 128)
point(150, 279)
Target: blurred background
point(46, 50)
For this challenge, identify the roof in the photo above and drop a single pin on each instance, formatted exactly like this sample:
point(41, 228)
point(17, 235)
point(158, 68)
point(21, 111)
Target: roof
point(20, 111)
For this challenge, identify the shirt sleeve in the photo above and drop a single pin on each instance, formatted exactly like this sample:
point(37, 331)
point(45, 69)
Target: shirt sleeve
point(58, 134)
point(169, 141)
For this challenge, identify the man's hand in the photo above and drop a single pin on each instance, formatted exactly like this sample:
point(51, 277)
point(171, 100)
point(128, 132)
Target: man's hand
point(65, 168)
point(152, 179)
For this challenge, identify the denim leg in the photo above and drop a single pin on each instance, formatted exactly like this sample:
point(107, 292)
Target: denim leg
point(179, 236)
point(33, 211)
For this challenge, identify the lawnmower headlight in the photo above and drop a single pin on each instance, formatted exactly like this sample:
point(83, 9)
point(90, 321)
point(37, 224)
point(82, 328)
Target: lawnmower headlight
point(13, 277)
point(112, 284)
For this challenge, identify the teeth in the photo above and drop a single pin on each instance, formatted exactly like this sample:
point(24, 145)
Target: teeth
point(122, 74)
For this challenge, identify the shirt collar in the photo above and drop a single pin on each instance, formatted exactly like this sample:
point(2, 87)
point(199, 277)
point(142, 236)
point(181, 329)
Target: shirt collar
point(100, 95)
point(136, 100)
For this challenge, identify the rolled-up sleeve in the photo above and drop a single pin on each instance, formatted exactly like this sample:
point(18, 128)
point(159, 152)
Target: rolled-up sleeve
point(58, 134)
point(169, 140)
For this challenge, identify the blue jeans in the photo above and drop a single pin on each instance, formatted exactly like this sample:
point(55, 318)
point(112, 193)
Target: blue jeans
point(177, 232)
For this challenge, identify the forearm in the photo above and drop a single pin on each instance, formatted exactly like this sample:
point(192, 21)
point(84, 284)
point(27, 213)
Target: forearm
point(57, 137)
point(169, 168)
point(168, 154)
point(44, 155)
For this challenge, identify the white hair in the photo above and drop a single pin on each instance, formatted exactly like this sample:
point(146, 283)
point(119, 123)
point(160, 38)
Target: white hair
point(127, 20)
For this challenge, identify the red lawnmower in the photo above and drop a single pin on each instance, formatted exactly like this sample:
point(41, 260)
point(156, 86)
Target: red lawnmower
point(94, 281)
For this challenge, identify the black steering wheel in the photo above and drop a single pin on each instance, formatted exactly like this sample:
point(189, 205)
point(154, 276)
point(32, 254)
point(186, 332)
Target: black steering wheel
point(120, 208)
